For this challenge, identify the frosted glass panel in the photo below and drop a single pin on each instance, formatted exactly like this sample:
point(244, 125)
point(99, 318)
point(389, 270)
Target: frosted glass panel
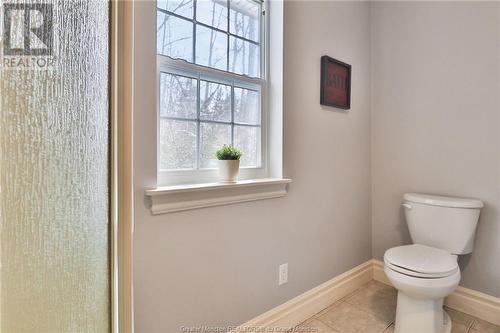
point(54, 178)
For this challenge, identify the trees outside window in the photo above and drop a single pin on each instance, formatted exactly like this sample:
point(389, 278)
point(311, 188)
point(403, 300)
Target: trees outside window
point(210, 81)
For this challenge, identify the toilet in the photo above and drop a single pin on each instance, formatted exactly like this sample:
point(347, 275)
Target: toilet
point(427, 271)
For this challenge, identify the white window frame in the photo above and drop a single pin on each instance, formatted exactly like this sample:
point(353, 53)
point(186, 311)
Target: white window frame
point(181, 67)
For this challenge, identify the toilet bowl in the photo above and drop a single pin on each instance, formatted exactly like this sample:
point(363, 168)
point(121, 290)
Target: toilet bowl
point(427, 271)
point(423, 276)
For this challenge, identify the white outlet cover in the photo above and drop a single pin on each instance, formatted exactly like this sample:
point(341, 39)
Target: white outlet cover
point(283, 274)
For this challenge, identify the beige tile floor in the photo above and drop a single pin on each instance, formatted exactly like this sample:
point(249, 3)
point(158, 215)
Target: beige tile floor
point(372, 308)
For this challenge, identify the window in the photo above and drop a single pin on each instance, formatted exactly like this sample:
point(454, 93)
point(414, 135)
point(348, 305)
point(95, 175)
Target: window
point(211, 64)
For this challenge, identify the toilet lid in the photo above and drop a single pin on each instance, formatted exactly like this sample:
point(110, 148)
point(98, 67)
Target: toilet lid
point(420, 260)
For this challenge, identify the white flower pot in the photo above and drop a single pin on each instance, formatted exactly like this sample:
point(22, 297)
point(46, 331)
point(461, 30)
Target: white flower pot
point(228, 170)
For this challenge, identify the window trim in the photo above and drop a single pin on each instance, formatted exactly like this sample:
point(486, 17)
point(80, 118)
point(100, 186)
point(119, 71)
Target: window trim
point(171, 199)
point(182, 67)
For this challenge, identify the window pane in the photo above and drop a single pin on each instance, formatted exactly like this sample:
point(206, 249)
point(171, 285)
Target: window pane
point(177, 144)
point(179, 7)
point(212, 137)
point(246, 106)
point(212, 12)
point(211, 48)
point(177, 96)
point(174, 37)
point(244, 57)
point(247, 139)
point(215, 101)
point(244, 19)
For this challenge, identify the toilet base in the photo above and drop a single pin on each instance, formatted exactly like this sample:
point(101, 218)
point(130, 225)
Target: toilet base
point(417, 315)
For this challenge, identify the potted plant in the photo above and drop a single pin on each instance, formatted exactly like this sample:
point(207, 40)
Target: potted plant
point(229, 163)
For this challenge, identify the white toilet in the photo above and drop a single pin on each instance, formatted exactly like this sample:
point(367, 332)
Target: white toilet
point(426, 272)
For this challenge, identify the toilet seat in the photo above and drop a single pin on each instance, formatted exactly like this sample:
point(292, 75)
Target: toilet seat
point(418, 274)
point(421, 261)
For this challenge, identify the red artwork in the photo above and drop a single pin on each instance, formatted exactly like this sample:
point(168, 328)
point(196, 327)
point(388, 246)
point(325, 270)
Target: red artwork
point(335, 83)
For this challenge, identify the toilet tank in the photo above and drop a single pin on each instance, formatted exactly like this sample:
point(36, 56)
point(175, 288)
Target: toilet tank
point(446, 223)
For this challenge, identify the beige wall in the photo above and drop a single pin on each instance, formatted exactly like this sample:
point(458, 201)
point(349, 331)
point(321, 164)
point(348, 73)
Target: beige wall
point(219, 266)
point(434, 128)
point(435, 119)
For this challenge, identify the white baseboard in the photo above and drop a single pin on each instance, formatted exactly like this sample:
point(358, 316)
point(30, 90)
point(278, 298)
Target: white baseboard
point(378, 272)
point(469, 301)
point(302, 307)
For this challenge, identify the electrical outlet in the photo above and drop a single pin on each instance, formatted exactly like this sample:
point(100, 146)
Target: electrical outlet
point(283, 274)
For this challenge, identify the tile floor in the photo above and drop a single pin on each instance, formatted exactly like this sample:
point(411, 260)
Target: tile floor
point(372, 308)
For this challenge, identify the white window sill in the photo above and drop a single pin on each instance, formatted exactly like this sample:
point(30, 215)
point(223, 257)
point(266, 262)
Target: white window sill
point(170, 199)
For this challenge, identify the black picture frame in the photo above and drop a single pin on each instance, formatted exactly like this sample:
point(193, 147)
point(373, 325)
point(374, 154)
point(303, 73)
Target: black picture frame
point(338, 85)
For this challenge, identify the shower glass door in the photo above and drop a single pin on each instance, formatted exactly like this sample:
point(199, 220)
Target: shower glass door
point(54, 166)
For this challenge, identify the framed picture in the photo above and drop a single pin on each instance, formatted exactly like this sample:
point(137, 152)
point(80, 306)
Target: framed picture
point(335, 83)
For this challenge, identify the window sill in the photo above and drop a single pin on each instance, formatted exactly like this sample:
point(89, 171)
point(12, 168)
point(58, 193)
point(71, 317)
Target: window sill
point(177, 198)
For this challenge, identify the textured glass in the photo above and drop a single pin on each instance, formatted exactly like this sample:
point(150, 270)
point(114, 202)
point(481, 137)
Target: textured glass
point(215, 101)
point(212, 137)
point(244, 57)
point(177, 144)
point(54, 180)
point(174, 37)
point(247, 139)
point(179, 7)
point(178, 96)
point(212, 12)
point(211, 48)
point(246, 106)
point(244, 19)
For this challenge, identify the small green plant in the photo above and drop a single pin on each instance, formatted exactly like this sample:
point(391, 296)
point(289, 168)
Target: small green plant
point(228, 152)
